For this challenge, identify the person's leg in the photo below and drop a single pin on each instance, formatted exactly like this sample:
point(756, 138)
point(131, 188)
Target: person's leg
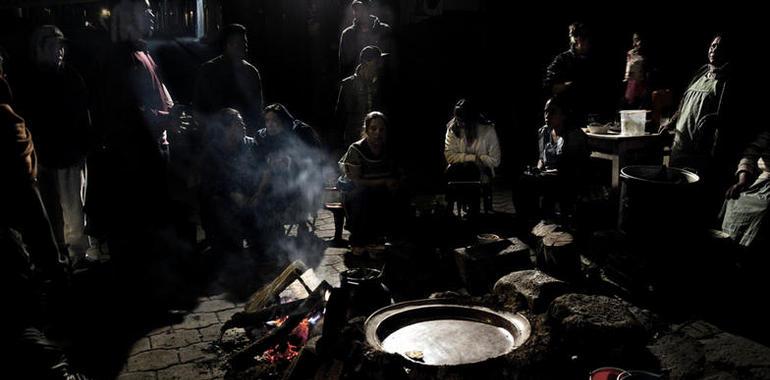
point(552, 190)
point(49, 193)
point(526, 198)
point(32, 355)
point(380, 210)
point(222, 224)
point(464, 179)
point(355, 204)
point(486, 189)
point(398, 215)
point(71, 188)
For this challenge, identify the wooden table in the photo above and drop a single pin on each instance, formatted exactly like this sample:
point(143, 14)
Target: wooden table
point(625, 150)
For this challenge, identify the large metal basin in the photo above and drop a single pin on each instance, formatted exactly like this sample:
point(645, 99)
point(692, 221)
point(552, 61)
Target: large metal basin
point(445, 333)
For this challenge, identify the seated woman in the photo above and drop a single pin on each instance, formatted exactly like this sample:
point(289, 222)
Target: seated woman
point(230, 174)
point(746, 209)
point(370, 184)
point(472, 152)
point(292, 182)
point(563, 153)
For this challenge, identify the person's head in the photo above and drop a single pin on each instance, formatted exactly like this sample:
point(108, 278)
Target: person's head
point(466, 113)
point(361, 9)
point(376, 128)
point(579, 37)
point(466, 116)
point(555, 113)
point(47, 46)
point(3, 58)
point(370, 61)
point(132, 20)
point(719, 50)
point(638, 41)
point(277, 119)
point(235, 42)
point(233, 127)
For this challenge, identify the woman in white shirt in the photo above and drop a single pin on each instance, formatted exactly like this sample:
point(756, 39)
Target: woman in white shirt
point(472, 151)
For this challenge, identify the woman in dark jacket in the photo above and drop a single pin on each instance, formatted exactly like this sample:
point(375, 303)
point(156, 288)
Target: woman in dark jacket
point(563, 154)
point(292, 180)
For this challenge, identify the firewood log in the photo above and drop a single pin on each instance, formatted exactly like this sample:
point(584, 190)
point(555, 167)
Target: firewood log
point(559, 256)
point(538, 233)
point(269, 293)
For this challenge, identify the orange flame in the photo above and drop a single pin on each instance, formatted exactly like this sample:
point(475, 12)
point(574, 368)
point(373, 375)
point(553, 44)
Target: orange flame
point(297, 339)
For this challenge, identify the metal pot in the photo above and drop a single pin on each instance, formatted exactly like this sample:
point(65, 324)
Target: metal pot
point(366, 291)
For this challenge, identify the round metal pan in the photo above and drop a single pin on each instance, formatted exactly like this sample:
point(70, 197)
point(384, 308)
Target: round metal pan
point(440, 332)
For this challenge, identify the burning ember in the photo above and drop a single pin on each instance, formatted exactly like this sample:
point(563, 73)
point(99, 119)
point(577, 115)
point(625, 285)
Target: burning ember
point(273, 344)
point(278, 322)
point(289, 349)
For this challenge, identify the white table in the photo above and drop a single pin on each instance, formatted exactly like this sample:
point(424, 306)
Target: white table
point(625, 150)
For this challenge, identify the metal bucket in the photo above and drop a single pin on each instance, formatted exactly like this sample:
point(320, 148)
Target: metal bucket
point(658, 200)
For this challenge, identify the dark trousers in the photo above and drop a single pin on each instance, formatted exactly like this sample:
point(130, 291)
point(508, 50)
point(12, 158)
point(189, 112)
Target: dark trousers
point(371, 212)
point(466, 184)
point(536, 195)
point(227, 225)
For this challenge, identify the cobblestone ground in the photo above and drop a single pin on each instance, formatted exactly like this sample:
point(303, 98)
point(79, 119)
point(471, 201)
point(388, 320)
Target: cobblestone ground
point(180, 351)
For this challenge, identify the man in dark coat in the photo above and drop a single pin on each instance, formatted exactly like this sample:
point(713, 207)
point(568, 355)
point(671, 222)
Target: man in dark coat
point(363, 92)
point(54, 102)
point(366, 30)
point(229, 81)
point(579, 76)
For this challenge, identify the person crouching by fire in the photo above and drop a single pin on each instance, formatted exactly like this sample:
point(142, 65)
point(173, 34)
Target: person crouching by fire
point(230, 176)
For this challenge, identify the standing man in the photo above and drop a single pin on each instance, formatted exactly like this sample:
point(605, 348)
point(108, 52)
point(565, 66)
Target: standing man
point(229, 81)
point(55, 104)
point(579, 76)
point(366, 30)
point(138, 144)
point(360, 93)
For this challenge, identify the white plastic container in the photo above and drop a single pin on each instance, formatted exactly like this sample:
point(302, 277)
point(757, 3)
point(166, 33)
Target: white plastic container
point(632, 122)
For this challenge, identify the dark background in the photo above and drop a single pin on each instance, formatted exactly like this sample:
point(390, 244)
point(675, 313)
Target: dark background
point(496, 51)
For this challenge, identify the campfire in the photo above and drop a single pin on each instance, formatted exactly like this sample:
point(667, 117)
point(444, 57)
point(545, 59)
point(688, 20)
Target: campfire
point(289, 349)
point(297, 327)
point(277, 323)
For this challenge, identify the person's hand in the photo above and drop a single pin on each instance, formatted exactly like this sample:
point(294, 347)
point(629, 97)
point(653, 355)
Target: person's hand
point(666, 126)
point(742, 184)
point(392, 184)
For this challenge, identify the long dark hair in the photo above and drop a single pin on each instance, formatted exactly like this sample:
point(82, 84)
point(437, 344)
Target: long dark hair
point(467, 112)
